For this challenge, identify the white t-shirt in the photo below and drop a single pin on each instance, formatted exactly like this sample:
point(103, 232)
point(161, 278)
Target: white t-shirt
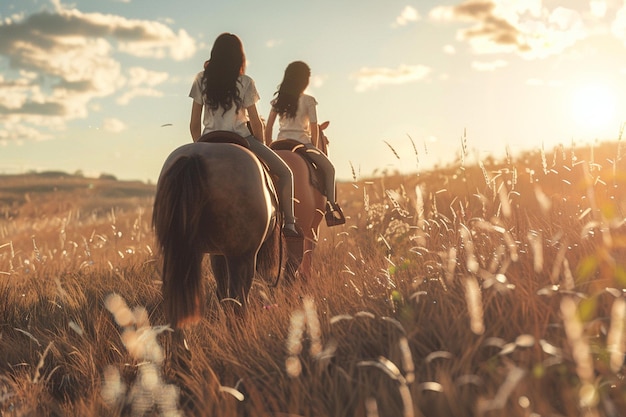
point(232, 120)
point(298, 128)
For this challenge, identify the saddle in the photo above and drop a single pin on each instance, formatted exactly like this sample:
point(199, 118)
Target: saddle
point(315, 174)
point(224, 136)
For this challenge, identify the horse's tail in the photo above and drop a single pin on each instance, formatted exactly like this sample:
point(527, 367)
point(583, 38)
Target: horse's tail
point(177, 219)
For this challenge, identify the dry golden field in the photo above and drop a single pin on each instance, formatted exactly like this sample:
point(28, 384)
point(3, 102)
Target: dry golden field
point(494, 289)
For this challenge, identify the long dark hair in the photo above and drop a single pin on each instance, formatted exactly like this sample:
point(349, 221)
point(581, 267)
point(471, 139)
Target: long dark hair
point(294, 83)
point(221, 73)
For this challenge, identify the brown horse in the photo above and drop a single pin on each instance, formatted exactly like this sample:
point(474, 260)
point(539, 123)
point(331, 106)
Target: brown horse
point(309, 202)
point(213, 198)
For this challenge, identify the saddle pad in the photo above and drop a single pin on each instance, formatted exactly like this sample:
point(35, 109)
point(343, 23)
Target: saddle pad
point(316, 175)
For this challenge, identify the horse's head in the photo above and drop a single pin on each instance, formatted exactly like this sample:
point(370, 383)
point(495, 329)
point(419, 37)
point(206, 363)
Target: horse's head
point(323, 140)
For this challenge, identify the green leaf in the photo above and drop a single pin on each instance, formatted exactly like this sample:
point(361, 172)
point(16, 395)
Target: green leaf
point(620, 276)
point(586, 268)
point(587, 309)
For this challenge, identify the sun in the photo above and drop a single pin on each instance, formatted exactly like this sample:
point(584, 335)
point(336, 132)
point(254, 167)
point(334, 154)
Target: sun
point(594, 108)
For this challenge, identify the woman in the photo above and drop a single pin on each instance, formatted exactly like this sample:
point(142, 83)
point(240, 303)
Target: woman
point(298, 121)
point(228, 97)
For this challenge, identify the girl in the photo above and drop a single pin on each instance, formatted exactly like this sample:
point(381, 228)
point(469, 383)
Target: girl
point(298, 121)
point(228, 97)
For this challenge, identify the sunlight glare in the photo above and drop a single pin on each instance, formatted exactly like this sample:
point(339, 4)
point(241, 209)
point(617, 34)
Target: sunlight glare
point(593, 108)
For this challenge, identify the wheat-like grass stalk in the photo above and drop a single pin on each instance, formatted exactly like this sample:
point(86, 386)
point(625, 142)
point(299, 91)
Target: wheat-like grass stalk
point(392, 149)
point(473, 298)
point(36, 250)
point(505, 203)
point(389, 368)
point(498, 402)
point(616, 340)
point(618, 153)
point(113, 388)
point(545, 204)
point(536, 249)
point(581, 353)
point(294, 343)
point(568, 278)
point(544, 163)
point(451, 264)
point(42, 358)
point(313, 326)
point(407, 360)
point(417, 157)
point(354, 178)
point(438, 354)
point(149, 390)
point(471, 261)
point(463, 147)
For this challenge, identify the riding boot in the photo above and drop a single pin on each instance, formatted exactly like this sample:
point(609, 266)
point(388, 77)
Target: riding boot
point(334, 215)
point(291, 230)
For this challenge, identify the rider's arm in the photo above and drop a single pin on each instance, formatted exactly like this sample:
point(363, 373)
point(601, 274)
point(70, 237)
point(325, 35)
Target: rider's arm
point(255, 123)
point(269, 126)
point(315, 134)
point(195, 125)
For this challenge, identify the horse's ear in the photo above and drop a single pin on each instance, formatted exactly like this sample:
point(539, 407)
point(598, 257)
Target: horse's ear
point(324, 125)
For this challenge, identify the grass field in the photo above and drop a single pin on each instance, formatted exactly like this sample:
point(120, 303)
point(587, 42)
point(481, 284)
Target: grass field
point(494, 289)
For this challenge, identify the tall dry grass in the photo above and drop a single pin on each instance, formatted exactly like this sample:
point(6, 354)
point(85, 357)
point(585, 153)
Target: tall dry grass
point(494, 289)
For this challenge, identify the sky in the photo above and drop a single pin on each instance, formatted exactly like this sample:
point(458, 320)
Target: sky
point(102, 86)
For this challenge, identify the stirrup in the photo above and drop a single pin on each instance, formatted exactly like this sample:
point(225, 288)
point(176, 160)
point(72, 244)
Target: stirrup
point(334, 215)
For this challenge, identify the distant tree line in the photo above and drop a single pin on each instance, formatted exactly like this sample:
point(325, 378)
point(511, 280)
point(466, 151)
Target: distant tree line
point(61, 174)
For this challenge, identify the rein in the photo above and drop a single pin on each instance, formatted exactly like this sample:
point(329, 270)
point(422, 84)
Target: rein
point(279, 221)
point(280, 256)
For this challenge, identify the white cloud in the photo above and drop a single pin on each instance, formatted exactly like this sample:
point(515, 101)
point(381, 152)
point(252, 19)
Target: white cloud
point(272, 43)
point(442, 14)
point(489, 66)
point(125, 98)
point(409, 14)
point(113, 125)
point(372, 78)
point(140, 76)
point(164, 44)
point(60, 62)
point(525, 27)
point(538, 82)
point(13, 130)
point(449, 49)
point(598, 8)
point(565, 19)
point(618, 27)
point(317, 80)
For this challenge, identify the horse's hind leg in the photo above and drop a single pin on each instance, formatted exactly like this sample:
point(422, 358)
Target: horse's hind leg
point(295, 251)
point(241, 272)
point(220, 273)
point(307, 258)
point(233, 277)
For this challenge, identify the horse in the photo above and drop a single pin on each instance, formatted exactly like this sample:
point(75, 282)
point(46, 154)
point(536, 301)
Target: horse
point(214, 198)
point(309, 202)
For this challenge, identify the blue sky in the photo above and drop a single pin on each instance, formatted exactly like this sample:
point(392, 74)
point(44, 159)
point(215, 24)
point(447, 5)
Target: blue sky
point(89, 85)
